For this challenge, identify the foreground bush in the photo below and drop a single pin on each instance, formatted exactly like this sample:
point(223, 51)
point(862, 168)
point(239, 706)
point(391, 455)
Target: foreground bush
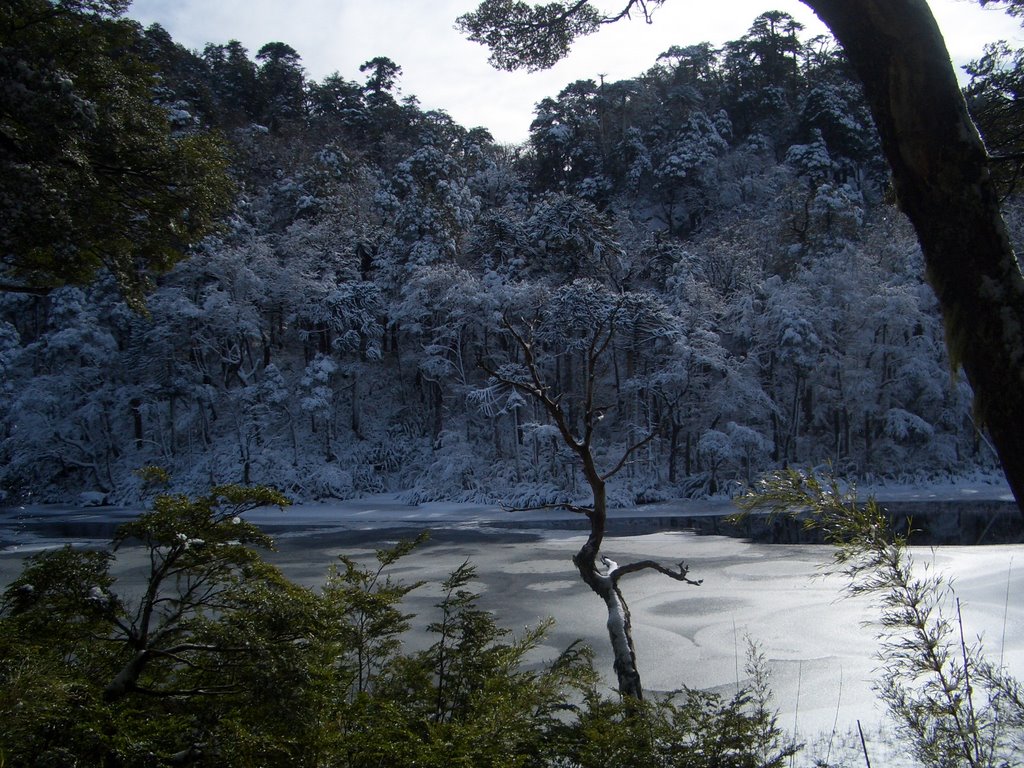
point(217, 659)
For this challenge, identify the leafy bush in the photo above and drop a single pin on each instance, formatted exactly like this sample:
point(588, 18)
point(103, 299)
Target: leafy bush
point(217, 659)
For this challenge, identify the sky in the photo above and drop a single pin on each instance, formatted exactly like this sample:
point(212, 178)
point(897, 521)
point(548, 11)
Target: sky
point(445, 71)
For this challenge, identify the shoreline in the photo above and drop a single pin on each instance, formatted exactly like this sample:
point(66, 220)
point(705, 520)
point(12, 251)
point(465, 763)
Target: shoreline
point(954, 515)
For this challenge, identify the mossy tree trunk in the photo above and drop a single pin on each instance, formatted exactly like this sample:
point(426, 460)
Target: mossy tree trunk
point(942, 177)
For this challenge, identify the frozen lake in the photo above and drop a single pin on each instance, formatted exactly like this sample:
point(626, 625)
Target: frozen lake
point(820, 649)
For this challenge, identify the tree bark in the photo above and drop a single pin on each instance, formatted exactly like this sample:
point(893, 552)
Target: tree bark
point(127, 677)
point(941, 174)
point(605, 586)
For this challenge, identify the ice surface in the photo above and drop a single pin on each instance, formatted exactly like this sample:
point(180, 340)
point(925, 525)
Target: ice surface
point(820, 645)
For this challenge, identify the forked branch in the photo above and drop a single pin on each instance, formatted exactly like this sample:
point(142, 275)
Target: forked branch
point(599, 573)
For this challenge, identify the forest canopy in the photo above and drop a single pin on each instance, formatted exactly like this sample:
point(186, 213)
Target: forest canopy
point(327, 336)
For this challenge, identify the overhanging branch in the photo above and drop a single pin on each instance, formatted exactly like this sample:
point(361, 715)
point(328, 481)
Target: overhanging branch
point(627, 11)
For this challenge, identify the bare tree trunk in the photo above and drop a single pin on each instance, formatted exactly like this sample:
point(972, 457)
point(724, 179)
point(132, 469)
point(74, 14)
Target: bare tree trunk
point(606, 587)
point(943, 182)
point(356, 415)
point(602, 576)
point(137, 433)
point(675, 428)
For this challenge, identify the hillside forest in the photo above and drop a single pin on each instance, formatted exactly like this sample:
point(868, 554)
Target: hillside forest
point(341, 311)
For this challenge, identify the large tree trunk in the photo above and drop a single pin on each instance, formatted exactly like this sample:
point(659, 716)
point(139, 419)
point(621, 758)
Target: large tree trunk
point(941, 174)
point(127, 678)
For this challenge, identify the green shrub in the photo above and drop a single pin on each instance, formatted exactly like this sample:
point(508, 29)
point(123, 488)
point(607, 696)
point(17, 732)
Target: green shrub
point(217, 659)
point(952, 705)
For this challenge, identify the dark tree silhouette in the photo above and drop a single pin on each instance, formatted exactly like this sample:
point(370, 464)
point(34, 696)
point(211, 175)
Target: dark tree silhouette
point(593, 349)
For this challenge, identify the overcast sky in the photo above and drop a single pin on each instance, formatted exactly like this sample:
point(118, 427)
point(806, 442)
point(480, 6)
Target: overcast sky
point(445, 71)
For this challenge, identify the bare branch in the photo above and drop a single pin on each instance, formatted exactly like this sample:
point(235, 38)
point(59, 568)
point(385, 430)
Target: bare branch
point(531, 364)
point(679, 573)
point(630, 451)
point(553, 405)
point(594, 353)
point(174, 651)
point(627, 11)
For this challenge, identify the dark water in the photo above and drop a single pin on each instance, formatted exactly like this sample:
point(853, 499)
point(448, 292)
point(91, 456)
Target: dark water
point(61, 523)
point(926, 523)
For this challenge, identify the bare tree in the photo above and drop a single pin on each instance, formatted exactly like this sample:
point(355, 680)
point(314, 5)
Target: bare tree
point(592, 344)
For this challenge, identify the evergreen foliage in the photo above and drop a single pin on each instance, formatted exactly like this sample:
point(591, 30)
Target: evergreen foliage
point(100, 168)
point(213, 657)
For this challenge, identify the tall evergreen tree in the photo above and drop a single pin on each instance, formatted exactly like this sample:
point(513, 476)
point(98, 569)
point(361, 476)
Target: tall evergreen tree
point(91, 173)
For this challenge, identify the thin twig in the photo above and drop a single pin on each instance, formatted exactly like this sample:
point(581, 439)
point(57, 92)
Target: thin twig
point(796, 708)
point(863, 744)
point(835, 722)
point(971, 722)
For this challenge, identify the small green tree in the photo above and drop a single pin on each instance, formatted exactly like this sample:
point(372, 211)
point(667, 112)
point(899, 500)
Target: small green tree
point(201, 557)
point(363, 616)
point(133, 674)
point(686, 729)
point(955, 707)
point(471, 698)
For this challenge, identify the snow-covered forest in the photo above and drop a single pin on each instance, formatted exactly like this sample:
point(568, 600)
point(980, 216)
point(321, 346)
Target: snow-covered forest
point(726, 214)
